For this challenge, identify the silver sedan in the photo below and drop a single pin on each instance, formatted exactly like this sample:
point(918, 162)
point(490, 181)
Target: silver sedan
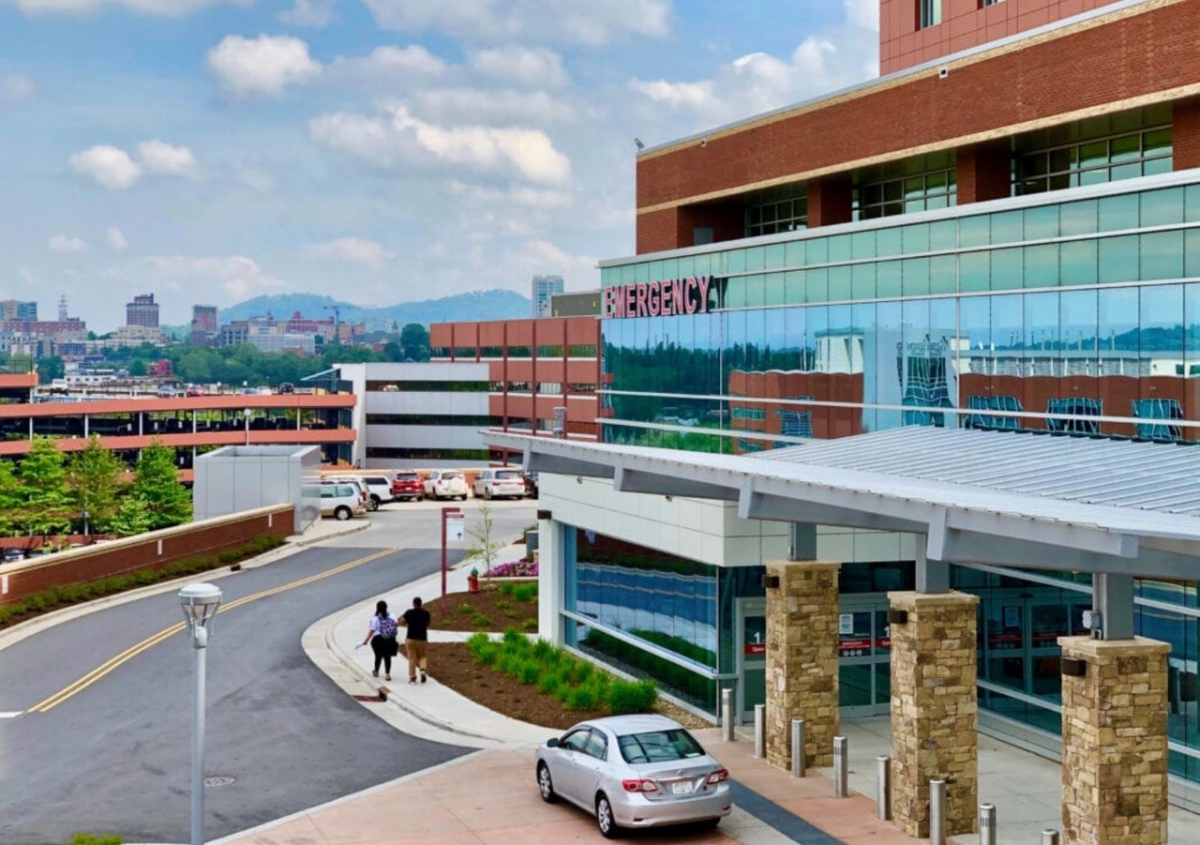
point(634, 771)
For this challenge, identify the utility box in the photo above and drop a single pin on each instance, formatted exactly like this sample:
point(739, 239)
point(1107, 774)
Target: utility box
point(233, 479)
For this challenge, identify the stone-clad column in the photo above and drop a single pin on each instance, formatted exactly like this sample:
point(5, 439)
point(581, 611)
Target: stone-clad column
point(1114, 740)
point(934, 709)
point(802, 659)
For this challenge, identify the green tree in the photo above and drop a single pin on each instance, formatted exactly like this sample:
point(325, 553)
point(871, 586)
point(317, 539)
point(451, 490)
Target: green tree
point(484, 546)
point(12, 496)
point(137, 368)
point(168, 502)
point(50, 368)
point(132, 517)
point(47, 506)
point(414, 340)
point(94, 475)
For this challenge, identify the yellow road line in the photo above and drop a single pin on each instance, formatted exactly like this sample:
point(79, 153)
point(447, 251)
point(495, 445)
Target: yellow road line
point(133, 651)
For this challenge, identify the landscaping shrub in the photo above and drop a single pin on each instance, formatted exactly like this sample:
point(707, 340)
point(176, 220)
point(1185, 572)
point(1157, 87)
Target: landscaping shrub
point(55, 597)
point(525, 592)
point(529, 671)
point(581, 698)
point(515, 569)
point(89, 839)
point(631, 696)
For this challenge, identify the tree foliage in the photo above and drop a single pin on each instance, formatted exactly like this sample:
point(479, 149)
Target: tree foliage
point(95, 478)
point(414, 342)
point(155, 481)
point(46, 507)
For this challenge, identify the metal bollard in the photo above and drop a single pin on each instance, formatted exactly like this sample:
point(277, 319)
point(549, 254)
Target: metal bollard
point(1049, 837)
point(841, 766)
point(727, 715)
point(883, 788)
point(987, 824)
point(937, 812)
point(799, 756)
point(760, 730)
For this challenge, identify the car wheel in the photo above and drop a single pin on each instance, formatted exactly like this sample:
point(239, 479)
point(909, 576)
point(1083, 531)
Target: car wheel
point(487, 494)
point(546, 784)
point(464, 497)
point(374, 504)
point(609, 828)
point(710, 824)
point(342, 513)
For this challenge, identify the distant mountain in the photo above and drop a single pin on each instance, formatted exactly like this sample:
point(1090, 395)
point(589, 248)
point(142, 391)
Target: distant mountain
point(480, 305)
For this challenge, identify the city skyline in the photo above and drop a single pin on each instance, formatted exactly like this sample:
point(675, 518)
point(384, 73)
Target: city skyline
point(231, 149)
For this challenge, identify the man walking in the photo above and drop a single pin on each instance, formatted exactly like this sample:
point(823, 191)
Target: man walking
point(416, 639)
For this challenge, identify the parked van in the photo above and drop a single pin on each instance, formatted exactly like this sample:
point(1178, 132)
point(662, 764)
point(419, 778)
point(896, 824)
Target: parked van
point(341, 501)
point(499, 481)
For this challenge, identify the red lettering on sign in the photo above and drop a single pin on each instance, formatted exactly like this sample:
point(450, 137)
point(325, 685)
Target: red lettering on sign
point(652, 302)
point(755, 648)
point(664, 296)
point(677, 294)
point(640, 298)
point(689, 300)
point(630, 290)
point(704, 282)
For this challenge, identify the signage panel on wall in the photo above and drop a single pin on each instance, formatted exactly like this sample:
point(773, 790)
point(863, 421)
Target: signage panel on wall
point(659, 299)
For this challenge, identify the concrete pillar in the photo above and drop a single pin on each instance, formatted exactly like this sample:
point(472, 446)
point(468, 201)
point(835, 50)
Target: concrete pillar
point(1114, 741)
point(984, 172)
point(552, 568)
point(802, 658)
point(1185, 134)
point(934, 709)
point(830, 201)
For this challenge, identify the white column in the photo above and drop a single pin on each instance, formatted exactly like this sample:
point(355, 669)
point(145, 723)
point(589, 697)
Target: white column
point(551, 579)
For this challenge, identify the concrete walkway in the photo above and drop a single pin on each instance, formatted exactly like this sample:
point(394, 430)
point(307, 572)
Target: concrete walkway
point(490, 796)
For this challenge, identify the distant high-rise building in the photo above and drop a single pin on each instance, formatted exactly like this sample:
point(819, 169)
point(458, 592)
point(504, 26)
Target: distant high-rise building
point(143, 311)
point(62, 308)
point(13, 309)
point(545, 287)
point(204, 325)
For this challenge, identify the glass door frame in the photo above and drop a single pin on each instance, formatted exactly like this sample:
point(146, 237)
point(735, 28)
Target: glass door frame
point(877, 657)
point(743, 608)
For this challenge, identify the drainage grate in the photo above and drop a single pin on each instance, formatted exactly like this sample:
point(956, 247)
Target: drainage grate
point(219, 780)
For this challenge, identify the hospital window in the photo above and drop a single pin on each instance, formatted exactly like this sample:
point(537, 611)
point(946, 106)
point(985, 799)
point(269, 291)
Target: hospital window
point(919, 183)
point(931, 13)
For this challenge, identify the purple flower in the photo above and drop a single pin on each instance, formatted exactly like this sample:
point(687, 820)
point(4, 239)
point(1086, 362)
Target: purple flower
point(515, 569)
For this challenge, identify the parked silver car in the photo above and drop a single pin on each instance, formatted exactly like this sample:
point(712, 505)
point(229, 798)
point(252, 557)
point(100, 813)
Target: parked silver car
point(634, 771)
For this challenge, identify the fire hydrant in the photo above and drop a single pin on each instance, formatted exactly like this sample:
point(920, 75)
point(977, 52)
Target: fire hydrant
point(473, 582)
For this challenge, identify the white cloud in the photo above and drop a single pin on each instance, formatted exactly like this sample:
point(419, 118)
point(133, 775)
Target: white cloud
point(505, 21)
point(394, 136)
point(163, 159)
point(265, 65)
point(389, 63)
point(316, 13)
point(16, 88)
point(495, 108)
point(539, 256)
point(237, 275)
point(256, 180)
point(758, 82)
point(165, 8)
point(64, 245)
point(536, 68)
point(357, 250)
point(108, 166)
point(116, 239)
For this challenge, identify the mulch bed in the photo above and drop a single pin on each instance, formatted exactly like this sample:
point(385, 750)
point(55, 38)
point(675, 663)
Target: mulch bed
point(453, 665)
point(502, 611)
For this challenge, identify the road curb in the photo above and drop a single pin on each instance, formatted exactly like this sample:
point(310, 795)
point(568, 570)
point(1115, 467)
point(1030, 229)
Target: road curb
point(24, 630)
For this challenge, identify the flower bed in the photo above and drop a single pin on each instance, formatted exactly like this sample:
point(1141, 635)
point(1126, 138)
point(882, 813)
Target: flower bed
point(515, 569)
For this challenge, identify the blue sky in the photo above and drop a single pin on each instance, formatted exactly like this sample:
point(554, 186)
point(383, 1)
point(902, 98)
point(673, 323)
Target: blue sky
point(378, 151)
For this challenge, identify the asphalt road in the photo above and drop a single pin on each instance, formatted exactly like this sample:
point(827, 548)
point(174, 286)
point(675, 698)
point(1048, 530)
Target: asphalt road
point(114, 757)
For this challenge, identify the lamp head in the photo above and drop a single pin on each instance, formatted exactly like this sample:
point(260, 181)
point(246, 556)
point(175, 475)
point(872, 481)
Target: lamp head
point(199, 603)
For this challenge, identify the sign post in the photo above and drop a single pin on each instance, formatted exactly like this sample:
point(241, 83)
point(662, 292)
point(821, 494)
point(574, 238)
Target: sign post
point(453, 530)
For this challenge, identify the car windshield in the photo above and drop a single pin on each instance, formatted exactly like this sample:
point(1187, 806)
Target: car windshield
point(659, 746)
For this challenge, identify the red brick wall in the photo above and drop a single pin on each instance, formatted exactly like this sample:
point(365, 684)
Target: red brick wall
point(119, 557)
point(964, 25)
point(984, 172)
point(1186, 134)
point(830, 201)
point(1134, 56)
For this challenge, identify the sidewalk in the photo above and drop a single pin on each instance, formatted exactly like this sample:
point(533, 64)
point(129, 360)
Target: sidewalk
point(490, 796)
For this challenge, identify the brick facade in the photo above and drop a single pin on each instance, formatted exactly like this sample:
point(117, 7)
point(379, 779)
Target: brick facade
point(934, 710)
point(1114, 739)
point(802, 659)
point(1137, 55)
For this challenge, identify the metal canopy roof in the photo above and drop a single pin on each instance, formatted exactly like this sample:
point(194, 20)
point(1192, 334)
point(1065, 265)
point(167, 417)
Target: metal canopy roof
point(981, 497)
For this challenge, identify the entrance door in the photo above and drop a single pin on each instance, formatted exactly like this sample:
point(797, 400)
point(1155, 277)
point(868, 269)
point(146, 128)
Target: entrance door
point(751, 656)
point(865, 649)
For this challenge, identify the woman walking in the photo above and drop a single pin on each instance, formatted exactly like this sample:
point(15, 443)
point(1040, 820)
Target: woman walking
point(382, 637)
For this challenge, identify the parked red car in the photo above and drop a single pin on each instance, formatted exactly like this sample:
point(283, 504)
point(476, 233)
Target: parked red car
point(408, 486)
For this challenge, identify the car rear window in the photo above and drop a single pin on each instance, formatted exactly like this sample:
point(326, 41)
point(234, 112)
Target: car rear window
point(376, 479)
point(407, 476)
point(446, 475)
point(659, 746)
point(510, 474)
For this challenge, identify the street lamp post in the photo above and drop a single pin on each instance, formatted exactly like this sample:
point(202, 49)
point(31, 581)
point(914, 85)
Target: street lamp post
point(247, 413)
point(199, 603)
point(85, 516)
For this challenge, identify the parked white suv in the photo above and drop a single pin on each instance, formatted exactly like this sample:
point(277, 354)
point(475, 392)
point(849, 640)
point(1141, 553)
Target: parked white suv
point(501, 481)
point(379, 488)
point(359, 484)
point(446, 484)
point(341, 501)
